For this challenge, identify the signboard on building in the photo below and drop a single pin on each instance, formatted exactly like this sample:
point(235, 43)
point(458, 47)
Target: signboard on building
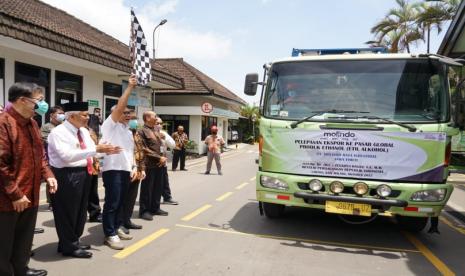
point(93, 103)
point(206, 107)
point(225, 113)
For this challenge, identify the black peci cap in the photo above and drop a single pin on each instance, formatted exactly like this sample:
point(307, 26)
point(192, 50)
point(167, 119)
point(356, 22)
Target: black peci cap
point(76, 106)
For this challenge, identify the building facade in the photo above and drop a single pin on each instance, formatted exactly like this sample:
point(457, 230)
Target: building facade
point(200, 104)
point(74, 61)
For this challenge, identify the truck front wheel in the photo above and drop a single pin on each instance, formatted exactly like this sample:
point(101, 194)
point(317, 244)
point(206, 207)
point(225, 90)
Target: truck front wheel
point(412, 224)
point(272, 210)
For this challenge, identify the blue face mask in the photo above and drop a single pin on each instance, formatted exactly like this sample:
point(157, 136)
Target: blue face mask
point(132, 124)
point(41, 107)
point(60, 117)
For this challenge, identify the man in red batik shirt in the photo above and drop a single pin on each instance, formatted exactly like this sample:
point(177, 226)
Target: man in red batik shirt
point(22, 168)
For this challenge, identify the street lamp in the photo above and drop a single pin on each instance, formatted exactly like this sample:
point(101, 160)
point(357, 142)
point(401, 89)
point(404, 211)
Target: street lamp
point(159, 24)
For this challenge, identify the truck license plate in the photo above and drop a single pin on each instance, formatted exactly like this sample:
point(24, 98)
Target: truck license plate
point(347, 208)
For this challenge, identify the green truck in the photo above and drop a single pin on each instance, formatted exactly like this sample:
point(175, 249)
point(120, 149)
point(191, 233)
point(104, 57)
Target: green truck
point(359, 133)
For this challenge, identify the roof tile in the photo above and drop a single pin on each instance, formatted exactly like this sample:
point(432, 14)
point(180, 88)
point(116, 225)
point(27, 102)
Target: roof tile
point(35, 22)
point(195, 82)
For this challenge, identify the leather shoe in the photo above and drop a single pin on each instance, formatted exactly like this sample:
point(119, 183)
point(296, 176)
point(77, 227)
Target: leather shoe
point(84, 246)
point(79, 253)
point(184, 169)
point(160, 212)
point(170, 202)
point(146, 216)
point(38, 230)
point(35, 272)
point(131, 225)
point(96, 219)
point(81, 246)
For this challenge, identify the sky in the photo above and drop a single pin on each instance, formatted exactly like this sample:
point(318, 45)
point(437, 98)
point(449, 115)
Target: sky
point(228, 39)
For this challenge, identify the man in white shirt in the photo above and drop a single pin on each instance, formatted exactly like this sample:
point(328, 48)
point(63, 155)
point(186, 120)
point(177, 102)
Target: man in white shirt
point(70, 151)
point(117, 169)
point(168, 142)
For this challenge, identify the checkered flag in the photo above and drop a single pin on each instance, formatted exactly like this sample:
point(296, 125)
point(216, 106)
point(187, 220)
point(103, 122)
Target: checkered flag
point(139, 54)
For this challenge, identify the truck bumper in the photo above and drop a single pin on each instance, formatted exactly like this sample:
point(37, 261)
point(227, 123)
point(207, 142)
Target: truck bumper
point(386, 203)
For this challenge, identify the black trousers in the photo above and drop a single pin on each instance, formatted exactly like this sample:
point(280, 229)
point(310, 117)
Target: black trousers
point(179, 155)
point(16, 234)
point(166, 194)
point(70, 206)
point(93, 207)
point(151, 190)
point(129, 202)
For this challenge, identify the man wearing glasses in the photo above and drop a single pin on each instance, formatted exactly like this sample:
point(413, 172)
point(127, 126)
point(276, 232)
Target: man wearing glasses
point(117, 169)
point(22, 168)
point(70, 152)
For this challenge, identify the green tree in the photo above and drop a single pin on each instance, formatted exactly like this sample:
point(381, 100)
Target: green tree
point(434, 14)
point(252, 113)
point(399, 28)
point(411, 22)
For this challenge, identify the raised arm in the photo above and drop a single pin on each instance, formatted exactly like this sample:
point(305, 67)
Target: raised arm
point(123, 100)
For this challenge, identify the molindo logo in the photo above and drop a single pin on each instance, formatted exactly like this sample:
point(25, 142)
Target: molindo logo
point(347, 134)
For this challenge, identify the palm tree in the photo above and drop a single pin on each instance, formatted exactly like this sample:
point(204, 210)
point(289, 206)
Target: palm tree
point(399, 27)
point(409, 23)
point(249, 110)
point(390, 41)
point(433, 15)
point(252, 113)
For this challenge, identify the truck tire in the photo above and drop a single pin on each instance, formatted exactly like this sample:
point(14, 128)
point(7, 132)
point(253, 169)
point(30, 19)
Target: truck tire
point(272, 210)
point(412, 224)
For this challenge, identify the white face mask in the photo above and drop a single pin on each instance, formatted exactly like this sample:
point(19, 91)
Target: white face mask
point(157, 127)
point(61, 117)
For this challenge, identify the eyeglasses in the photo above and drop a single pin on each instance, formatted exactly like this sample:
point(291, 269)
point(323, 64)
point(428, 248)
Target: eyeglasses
point(35, 100)
point(127, 112)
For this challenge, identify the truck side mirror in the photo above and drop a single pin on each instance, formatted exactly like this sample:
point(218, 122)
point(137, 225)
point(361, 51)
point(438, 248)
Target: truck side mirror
point(250, 87)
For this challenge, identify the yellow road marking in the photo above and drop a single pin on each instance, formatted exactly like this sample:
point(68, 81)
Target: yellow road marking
point(330, 243)
point(242, 186)
point(253, 178)
point(450, 224)
point(223, 197)
point(443, 269)
point(138, 245)
point(196, 212)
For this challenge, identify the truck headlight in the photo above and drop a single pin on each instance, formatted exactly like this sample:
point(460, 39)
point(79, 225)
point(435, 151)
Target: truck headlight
point(336, 187)
point(315, 185)
point(273, 183)
point(383, 190)
point(429, 195)
point(360, 188)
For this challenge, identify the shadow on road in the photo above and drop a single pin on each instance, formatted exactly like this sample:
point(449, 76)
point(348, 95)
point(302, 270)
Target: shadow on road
point(301, 244)
point(301, 223)
point(317, 230)
point(94, 236)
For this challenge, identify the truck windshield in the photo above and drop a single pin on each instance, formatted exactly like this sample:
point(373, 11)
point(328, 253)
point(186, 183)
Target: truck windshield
point(411, 90)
